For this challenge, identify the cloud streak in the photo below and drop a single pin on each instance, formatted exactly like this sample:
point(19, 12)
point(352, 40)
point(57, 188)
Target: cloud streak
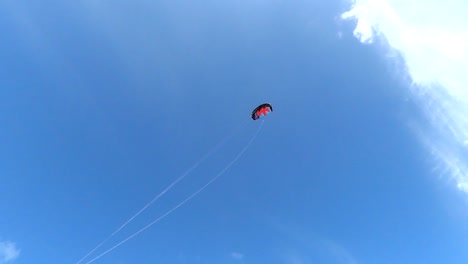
point(8, 252)
point(341, 254)
point(237, 255)
point(432, 38)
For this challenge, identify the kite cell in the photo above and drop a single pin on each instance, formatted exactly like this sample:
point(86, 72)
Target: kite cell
point(260, 110)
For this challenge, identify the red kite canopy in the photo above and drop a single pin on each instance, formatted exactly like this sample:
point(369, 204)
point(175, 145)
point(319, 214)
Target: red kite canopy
point(260, 110)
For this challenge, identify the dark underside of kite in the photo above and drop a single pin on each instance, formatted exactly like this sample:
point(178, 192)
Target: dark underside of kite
point(260, 110)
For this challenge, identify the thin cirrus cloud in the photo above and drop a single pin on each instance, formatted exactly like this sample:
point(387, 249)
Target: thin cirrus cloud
point(432, 39)
point(237, 255)
point(8, 252)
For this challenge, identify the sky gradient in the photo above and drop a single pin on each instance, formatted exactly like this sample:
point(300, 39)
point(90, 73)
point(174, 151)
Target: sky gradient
point(104, 104)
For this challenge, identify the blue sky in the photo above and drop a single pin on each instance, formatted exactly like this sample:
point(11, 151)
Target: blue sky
point(105, 103)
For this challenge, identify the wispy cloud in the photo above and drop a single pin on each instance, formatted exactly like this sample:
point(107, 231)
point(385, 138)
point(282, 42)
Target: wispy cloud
point(8, 252)
point(237, 255)
point(317, 251)
point(432, 38)
point(295, 259)
point(341, 254)
point(301, 245)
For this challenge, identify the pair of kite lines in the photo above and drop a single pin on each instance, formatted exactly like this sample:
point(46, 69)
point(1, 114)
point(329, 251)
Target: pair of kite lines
point(256, 114)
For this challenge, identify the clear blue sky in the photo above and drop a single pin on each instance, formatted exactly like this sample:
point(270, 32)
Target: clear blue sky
point(105, 103)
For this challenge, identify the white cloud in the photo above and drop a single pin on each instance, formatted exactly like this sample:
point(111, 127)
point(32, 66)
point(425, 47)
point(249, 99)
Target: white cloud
point(237, 255)
point(8, 252)
point(432, 37)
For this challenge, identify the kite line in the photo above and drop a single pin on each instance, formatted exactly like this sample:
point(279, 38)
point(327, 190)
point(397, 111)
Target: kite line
point(186, 200)
point(182, 176)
